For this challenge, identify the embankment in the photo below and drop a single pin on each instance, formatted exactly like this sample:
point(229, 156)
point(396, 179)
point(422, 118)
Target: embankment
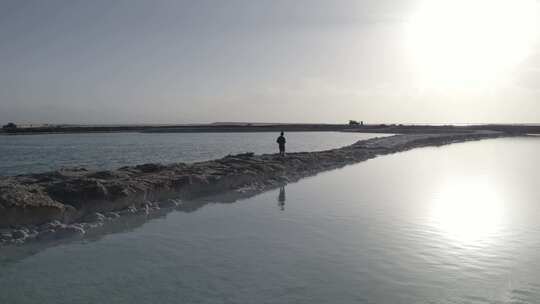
point(80, 195)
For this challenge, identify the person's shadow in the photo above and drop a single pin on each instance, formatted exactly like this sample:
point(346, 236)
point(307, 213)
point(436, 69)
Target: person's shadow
point(281, 198)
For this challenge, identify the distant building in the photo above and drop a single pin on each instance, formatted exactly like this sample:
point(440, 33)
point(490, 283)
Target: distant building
point(9, 126)
point(355, 123)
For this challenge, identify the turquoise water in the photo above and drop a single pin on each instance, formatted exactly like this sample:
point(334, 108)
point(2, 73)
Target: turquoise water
point(456, 224)
point(38, 153)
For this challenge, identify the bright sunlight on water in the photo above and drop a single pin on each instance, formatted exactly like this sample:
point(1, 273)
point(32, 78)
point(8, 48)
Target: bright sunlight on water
point(469, 210)
point(456, 224)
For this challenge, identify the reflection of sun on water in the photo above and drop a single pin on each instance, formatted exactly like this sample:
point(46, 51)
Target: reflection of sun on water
point(459, 43)
point(468, 211)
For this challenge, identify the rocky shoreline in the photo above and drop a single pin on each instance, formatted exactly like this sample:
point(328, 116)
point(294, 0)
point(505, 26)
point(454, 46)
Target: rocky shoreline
point(70, 202)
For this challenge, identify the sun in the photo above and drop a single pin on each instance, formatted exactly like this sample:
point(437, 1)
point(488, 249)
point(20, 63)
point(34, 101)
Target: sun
point(460, 43)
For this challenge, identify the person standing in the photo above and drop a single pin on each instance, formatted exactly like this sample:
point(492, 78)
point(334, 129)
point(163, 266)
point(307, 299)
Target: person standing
point(281, 142)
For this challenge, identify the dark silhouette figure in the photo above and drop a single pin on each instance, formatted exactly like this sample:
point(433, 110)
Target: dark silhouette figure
point(281, 198)
point(281, 142)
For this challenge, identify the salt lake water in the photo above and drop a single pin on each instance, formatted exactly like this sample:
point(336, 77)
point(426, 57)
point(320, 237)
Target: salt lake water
point(455, 224)
point(38, 153)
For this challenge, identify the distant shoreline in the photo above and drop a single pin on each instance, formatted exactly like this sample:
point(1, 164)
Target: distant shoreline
point(247, 127)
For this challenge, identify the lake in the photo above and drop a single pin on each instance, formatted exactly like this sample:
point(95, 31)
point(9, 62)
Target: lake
point(20, 154)
point(455, 224)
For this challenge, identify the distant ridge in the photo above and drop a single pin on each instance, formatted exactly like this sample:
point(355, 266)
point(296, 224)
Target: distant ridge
point(273, 127)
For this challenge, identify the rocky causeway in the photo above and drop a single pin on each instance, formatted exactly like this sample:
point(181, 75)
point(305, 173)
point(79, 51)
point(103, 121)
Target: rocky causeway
point(71, 201)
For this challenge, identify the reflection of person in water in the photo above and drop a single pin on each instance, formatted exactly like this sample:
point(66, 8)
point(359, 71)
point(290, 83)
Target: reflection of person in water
point(281, 198)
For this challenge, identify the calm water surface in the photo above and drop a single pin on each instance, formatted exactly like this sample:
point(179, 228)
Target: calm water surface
point(457, 224)
point(38, 153)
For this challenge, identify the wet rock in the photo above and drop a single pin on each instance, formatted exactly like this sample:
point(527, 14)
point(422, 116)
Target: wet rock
point(94, 225)
point(108, 174)
point(26, 205)
point(20, 234)
point(130, 209)
point(172, 203)
point(112, 215)
point(6, 236)
point(147, 209)
point(95, 217)
point(78, 190)
point(70, 214)
point(58, 231)
point(152, 206)
point(70, 231)
point(118, 190)
point(148, 168)
point(51, 225)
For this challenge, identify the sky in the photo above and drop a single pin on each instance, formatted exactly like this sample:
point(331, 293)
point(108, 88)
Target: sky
point(165, 61)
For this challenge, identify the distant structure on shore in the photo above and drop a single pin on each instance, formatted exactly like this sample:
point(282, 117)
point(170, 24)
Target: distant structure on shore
point(10, 126)
point(355, 123)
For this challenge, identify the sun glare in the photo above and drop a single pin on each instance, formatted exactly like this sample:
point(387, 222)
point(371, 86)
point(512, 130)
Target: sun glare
point(470, 211)
point(461, 43)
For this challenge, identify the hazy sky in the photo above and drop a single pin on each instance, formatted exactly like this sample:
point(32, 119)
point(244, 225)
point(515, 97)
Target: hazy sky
point(134, 61)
